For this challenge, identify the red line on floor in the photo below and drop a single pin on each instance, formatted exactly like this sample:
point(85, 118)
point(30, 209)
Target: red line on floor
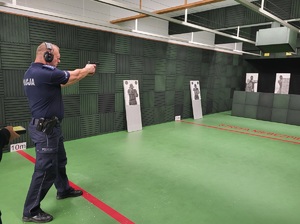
point(241, 132)
point(89, 197)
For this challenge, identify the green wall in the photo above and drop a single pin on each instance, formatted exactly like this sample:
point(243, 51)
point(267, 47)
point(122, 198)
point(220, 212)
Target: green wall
point(95, 105)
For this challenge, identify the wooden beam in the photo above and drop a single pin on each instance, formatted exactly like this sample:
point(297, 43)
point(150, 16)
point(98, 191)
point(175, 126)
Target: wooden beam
point(167, 10)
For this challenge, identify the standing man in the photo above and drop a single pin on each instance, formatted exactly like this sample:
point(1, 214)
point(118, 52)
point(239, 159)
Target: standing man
point(42, 83)
point(6, 134)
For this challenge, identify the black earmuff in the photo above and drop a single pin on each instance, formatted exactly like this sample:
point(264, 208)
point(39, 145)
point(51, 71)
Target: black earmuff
point(48, 55)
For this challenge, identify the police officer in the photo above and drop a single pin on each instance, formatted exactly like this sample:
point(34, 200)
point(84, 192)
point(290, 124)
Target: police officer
point(6, 134)
point(42, 83)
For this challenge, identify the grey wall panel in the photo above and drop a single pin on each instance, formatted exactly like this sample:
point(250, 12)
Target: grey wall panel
point(238, 110)
point(239, 97)
point(279, 115)
point(252, 98)
point(250, 111)
point(264, 113)
point(294, 102)
point(281, 101)
point(293, 117)
point(266, 99)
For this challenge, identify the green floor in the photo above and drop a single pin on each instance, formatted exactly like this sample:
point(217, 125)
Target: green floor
point(217, 170)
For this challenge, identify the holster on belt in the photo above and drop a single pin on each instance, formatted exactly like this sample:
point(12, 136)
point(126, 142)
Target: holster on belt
point(47, 125)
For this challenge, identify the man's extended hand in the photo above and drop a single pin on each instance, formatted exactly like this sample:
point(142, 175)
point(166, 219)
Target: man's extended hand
point(13, 134)
point(91, 68)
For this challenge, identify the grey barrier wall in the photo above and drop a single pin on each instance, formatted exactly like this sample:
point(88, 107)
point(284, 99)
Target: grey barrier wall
point(282, 108)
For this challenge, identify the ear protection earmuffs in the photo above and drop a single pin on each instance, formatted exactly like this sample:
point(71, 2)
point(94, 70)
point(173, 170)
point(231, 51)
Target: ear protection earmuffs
point(48, 55)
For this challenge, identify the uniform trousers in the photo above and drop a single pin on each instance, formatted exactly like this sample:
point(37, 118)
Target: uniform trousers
point(50, 167)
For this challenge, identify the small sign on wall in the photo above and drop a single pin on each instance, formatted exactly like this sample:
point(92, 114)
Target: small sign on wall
point(18, 146)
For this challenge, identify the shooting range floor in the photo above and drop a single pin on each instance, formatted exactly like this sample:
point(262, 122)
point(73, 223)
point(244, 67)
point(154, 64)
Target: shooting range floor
point(217, 170)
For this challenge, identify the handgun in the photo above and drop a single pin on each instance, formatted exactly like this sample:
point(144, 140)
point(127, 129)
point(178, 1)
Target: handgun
point(94, 62)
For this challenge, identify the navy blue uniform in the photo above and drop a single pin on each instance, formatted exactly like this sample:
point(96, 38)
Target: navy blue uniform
point(43, 90)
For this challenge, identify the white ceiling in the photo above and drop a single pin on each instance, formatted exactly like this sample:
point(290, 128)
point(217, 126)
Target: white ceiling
point(153, 5)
